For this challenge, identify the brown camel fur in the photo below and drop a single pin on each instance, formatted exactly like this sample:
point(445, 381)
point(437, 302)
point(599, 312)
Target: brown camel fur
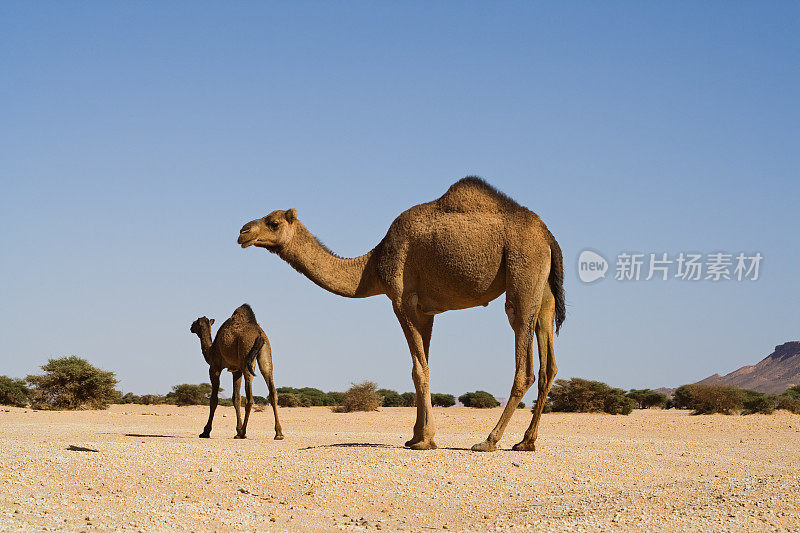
point(463, 250)
point(239, 343)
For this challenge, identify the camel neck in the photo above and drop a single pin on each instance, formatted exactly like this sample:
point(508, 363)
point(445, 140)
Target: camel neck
point(352, 278)
point(206, 344)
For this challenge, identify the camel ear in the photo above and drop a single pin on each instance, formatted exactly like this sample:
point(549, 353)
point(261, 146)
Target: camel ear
point(291, 215)
point(210, 321)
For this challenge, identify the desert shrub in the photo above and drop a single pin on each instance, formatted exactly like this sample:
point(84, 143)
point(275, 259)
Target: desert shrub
point(792, 392)
point(585, 396)
point(757, 402)
point(315, 396)
point(72, 383)
point(360, 397)
point(521, 405)
point(480, 399)
point(336, 398)
point(788, 403)
point(292, 399)
point(708, 399)
point(682, 397)
point(308, 395)
point(226, 402)
point(13, 391)
point(409, 399)
point(443, 400)
point(187, 394)
point(391, 398)
point(151, 399)
point(260, 400)
point(646, 398)
point(129, 397)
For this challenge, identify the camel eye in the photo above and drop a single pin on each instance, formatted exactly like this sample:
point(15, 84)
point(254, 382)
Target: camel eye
point(273, 225)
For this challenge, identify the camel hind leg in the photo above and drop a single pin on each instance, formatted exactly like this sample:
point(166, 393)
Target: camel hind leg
point(265, 366)
point(547, 368)
point(522, 307)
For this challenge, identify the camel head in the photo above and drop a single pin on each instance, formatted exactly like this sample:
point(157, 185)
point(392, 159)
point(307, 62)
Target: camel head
point(201, 324)
point(271, 232)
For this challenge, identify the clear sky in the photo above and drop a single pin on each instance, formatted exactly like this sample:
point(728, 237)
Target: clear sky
point(136, 139)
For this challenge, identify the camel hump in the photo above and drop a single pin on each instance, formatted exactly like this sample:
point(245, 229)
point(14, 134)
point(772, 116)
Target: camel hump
point(244, 313)
point(473, 194)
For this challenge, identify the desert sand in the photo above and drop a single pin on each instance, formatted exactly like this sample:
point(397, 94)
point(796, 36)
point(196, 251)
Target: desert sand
point(650, 471)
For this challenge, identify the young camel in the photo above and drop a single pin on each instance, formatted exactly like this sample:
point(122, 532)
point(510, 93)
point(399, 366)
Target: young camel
point(462, 250)
point(239, 343)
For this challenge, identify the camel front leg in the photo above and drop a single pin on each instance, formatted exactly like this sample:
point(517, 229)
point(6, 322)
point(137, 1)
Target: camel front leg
point(212, 403)
point(237, 402)
point(417, 329)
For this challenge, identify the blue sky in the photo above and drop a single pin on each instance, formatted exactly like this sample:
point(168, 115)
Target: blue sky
point(137, 138)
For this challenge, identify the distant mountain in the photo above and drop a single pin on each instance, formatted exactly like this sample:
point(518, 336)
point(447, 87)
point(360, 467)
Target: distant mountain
point(774, 374)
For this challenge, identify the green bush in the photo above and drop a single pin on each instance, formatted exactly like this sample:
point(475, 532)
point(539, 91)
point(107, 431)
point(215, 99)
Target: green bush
point(292, 399)
point(646, 398)
point(583, 396)
point(682, 397)
point(13, 391)
point(72, 383)
point(521, 405)
point(757, 402)
point(360, 397)
point(391, 398)
point(708, 399)
point(788, 403)
point(336, 398)
point(792, 392)
point(480, 399)
point(129, 397)
point(152, 399)
point(187, 394)
point(443, 400)
point(409, 399)
point(309, 395)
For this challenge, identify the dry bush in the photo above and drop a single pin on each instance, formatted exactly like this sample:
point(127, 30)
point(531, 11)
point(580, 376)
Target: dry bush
point(360, 397)
point(583, 396)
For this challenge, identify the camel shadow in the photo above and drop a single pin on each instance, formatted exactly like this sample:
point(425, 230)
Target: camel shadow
point(374, 445)
point(151, 435)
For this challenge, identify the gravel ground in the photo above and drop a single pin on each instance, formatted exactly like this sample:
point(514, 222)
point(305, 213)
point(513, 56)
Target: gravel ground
point(650, 471)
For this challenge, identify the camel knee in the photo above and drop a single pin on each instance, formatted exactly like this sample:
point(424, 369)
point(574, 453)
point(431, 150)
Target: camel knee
point(521, 385)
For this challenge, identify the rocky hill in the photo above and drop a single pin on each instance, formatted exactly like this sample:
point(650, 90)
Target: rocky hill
point(774, 374)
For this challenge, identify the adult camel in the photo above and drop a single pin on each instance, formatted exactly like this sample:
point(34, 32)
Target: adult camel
point(462, 250)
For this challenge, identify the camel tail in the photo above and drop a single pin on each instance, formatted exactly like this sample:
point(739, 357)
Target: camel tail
point(253, 353)
point(557, 280)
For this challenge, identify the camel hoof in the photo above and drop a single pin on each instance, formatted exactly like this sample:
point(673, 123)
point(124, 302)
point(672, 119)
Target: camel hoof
point(524, 446)
point(424, 445)
point(240, 437)
point(278, 437)
point(412, 442)
point(484, 446)
point(205, 435)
